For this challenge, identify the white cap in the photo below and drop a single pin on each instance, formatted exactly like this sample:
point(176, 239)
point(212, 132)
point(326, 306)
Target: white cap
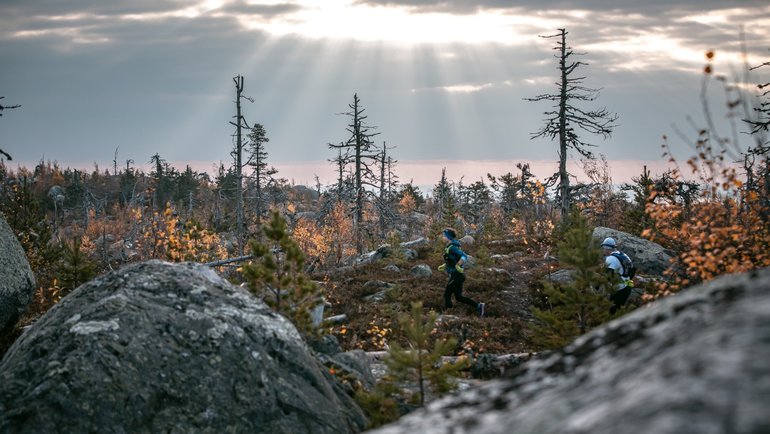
point(609, 242)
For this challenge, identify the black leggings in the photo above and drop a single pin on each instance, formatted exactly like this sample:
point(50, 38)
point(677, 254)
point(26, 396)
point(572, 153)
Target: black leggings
point(455, 287)
point(619, 298)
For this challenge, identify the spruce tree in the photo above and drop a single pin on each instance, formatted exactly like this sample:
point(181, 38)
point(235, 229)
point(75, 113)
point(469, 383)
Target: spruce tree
point(574, 308)
point(76, 267)
point(420, 362)
point(277, 274)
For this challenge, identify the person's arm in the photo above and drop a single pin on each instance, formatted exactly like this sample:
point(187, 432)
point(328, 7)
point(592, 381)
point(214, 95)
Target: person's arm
point(613, 267)
point(461, 261)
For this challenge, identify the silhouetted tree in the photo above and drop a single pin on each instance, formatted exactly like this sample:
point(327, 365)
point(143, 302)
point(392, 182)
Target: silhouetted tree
point(566, 118)
point(7, 107)
point(237, 154)
point(263, 174)
point(359, 152)
point(388, 184)
point(162, 178)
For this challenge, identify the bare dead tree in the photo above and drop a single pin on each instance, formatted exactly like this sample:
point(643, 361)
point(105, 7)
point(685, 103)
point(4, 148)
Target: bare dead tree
point(237, 153)
point(388, 184)
point(388, 179)
point(359, 152)
point(115, 162)
point(567, 118)
point(7, 107)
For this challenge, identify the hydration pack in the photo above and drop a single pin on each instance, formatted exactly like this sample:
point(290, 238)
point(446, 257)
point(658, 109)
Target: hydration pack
point(450, 257)
point(629, 270)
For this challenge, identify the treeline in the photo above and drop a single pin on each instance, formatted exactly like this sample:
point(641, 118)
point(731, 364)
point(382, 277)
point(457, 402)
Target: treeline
point(716, 223)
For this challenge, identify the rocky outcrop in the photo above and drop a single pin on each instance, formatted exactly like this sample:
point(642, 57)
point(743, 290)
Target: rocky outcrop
point(17, 283)
point(695, 362)
point(648, 257)
point(159, 347)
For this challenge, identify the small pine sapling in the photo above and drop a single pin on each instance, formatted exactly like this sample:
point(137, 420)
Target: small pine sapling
point(277, 274)
point(576, 307)
point(76, 266)
point(420, 362)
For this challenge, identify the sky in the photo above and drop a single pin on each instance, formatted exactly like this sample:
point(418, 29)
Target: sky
point(443, 82)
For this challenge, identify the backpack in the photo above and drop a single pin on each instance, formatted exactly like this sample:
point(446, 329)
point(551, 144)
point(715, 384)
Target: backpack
point(451, 257)
point(629, 270)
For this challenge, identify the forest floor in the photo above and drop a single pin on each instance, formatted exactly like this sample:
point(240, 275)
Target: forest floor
point(373, 297)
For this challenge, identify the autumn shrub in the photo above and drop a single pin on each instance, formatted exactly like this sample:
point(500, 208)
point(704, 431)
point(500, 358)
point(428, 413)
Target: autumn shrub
point(339, 232)
point(726, 228)
point(163, 235)
point(310, 238)
point(724, 231)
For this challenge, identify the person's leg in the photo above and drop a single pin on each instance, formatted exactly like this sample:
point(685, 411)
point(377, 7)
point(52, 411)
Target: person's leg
point(458, 292)
point(619, 298)
point(448, 292)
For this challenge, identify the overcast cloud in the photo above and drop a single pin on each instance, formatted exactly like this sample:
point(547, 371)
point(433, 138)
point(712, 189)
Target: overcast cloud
point(441, 80)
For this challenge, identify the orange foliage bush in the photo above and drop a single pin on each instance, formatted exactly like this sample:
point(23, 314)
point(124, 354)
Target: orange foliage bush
point(725, 231)
point(727, 228)
point(164, 236)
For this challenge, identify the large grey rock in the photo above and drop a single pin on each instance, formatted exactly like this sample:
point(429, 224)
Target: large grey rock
point(648, 257)
point(159, 347)
point(467, 241)
point(17, 283)
point(696, 362)
point(421, 270)
point(383, 251)
point(415, 243)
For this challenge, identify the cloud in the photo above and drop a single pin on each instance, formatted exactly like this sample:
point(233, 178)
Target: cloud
point(649, 6)
point(458, 88)
point(156, 76)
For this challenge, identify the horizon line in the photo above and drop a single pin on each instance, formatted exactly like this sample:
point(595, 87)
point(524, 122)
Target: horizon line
point(419, 172)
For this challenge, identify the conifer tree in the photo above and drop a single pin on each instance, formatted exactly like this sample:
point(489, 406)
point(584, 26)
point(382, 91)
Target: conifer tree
point(420, 362)
point(474, 201)
point(25, 215)
point(262, 174)
point(445, 205)
point(442, 194)
point(636, 219)
point(574, 308)
point(76, 267)
point(277, 274)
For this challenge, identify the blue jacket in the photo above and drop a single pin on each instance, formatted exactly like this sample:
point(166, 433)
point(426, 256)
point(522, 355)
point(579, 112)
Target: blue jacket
point(452, 255)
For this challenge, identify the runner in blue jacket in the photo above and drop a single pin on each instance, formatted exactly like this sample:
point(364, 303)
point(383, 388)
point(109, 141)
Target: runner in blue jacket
point(454, 259)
